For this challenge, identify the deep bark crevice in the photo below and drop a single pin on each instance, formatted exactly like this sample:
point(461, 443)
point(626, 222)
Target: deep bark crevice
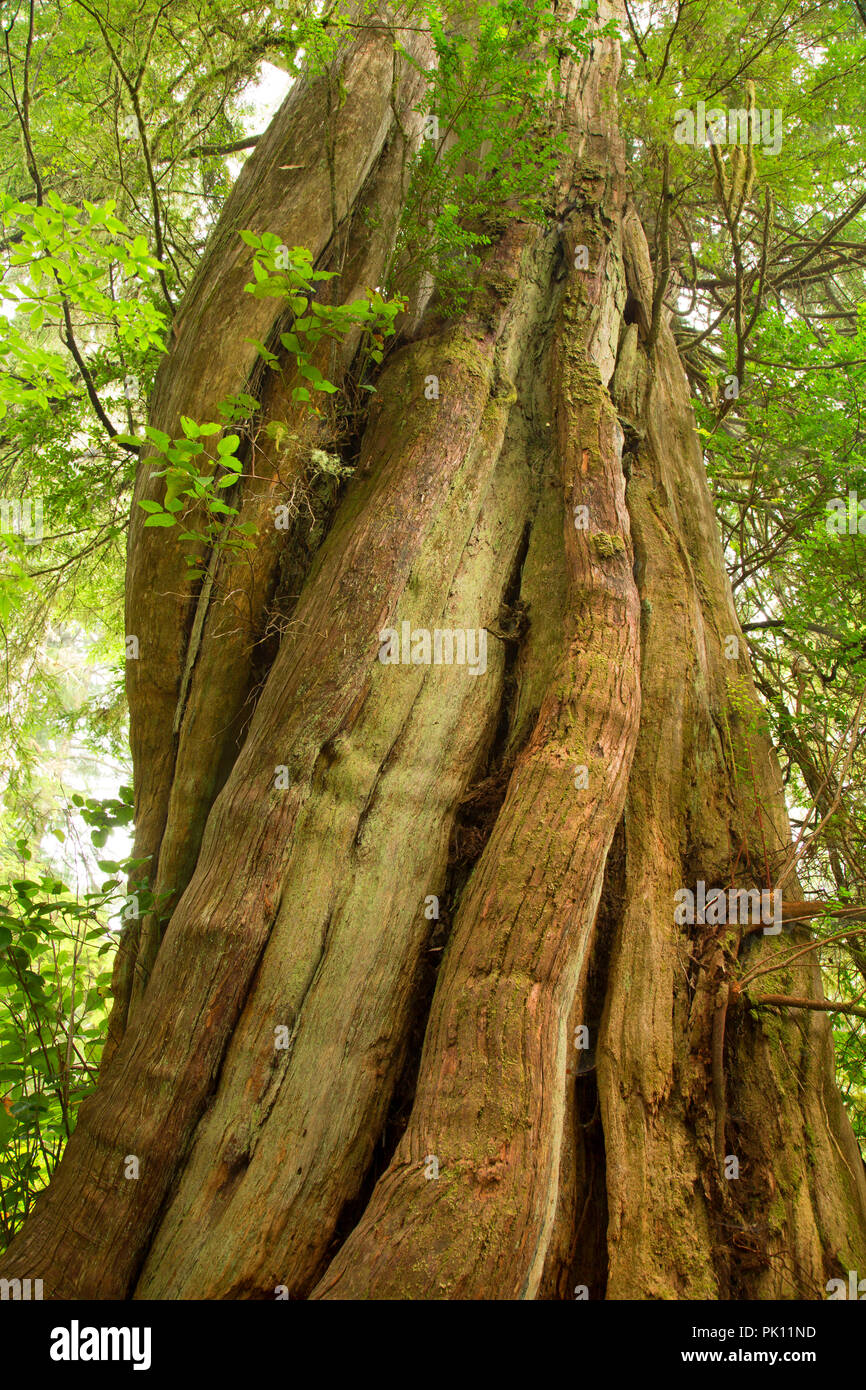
point(583, 1262)
point(473, 823)
point(481, 802)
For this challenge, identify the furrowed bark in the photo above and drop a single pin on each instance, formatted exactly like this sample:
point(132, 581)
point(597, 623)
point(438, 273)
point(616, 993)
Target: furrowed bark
point(497, 1027)
point(410, 499)
point(491, 1098)
point(251, 589)
point(705, 802)
point(189, 707)
point(394, 777)
point(295, 205)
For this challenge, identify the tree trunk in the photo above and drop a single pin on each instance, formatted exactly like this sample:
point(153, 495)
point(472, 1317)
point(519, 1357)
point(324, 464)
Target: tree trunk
point(431, 1130)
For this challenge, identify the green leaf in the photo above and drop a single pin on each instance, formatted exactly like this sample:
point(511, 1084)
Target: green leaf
point(157, 437)
point(269, 357)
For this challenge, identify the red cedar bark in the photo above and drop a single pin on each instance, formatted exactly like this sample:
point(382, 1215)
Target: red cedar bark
point(491, 1097)
point(190, 693)
point(303, 908)
point(396, 770)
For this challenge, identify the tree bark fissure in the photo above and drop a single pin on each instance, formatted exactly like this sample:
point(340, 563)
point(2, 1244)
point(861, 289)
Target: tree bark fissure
point(187, 767)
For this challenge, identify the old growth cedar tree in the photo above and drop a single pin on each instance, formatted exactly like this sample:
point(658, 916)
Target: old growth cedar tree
point(553, 805)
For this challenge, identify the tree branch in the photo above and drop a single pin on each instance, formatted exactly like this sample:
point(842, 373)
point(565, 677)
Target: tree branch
point(133, 90)
point(208, 151)
point(819, 1005)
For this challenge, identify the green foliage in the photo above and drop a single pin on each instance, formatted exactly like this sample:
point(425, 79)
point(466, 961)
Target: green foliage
point(118, 118)
point(287, 273)
point(64, 257)
point(493, 146)
point(767, 286)
point(106, 197)
point(55, 974)
point(194, 475)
